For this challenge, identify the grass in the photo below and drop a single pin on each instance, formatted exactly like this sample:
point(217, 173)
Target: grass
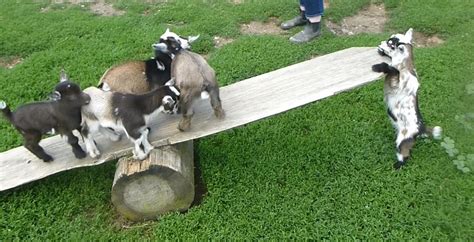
point(322, 171)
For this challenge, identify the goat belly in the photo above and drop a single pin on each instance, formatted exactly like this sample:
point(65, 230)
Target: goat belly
point(34, 117)
point(403, 108)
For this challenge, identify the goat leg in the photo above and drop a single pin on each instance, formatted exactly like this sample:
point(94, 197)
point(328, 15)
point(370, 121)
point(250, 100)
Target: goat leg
point(216, 102)
point(403, 152)
point(76, 148)
point(91, 146)
point(188, 112)
point(32, 140)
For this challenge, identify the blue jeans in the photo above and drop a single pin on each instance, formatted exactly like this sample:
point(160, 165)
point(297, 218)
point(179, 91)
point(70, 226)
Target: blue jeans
point(313, 8)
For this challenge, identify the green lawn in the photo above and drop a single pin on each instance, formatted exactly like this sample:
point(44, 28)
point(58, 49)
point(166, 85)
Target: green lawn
point(323, 171)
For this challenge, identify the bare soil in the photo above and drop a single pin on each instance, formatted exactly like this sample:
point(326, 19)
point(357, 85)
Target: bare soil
point(369, 20)
point(10, 62)
point(422, 40)
point(99, 7)
point(105, 9)
point(221, 41)
point(270, 27)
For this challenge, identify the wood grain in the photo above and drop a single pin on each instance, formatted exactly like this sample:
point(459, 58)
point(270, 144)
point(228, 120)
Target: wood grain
point(162, 183)
point(244, 102)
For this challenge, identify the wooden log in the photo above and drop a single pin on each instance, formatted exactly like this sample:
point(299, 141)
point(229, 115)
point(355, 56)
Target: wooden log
point(162, 183)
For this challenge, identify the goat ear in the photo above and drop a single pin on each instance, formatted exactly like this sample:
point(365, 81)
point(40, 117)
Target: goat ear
point(191, 39)
point(167, 30)
point(409, 35)
point(55, 96)
point(63, 76)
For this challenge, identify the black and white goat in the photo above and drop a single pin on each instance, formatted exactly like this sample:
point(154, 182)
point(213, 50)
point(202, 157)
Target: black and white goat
point(113, 113)
point(62, 114)
point(401, 95)
point(138, 77)
point(194, 77)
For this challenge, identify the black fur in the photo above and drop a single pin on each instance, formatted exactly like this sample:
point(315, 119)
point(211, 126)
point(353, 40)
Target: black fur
point(132, 108)
point(385, 68)
point(63, 115)
point(390, 114)
point(155, 76)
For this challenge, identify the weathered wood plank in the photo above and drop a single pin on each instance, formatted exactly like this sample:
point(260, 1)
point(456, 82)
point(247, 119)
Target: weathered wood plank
point(245, 101)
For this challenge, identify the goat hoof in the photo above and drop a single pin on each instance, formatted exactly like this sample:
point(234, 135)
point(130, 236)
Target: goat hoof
point(220, 114)
point(183, 126)
point(94, 155)
point(397, 165)
point(379, 67)
point(47, 158)
point(80, 154)
point(381, 52)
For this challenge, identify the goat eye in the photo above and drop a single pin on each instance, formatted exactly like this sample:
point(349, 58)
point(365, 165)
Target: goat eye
point(400, 48)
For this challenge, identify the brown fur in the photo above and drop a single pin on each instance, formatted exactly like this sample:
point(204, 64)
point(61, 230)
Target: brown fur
point(192, 76)
point(127, 78)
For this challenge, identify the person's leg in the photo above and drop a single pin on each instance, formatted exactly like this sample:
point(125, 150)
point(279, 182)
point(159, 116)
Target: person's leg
point(314, 9)
point(296, 21)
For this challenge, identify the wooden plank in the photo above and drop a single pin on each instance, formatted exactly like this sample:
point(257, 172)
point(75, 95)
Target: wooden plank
point(244, 102)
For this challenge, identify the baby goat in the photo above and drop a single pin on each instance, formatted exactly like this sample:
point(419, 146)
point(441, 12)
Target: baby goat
point(139, 77)
point(113, 112)
point(62, 114)
point(193, 76)
point(400, 95)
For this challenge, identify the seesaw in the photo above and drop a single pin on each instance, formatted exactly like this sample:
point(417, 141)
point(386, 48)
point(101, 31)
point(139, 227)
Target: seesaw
point(165, 181)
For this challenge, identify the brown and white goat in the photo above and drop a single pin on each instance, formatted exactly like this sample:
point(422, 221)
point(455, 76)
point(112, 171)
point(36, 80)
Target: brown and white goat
point(113, 113)
point(139, 77)
point(62, 114)
point(401, 95)
point(193, 76)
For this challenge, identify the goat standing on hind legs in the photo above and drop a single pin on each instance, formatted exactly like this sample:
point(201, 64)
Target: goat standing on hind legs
point(193, 76)
point(401, 95)
point(62, 114)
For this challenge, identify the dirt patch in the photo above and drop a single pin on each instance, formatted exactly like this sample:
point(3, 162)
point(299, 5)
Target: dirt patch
point(422, 40)
point(10, 62)
point(105, 9)
point(369, 20)
point(221, 41)
point(270, 27)
point(326, 4)
point(99, 7)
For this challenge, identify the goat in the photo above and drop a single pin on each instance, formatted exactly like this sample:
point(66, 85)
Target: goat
point(62, 114)
point(112, 113)
point(139, 77)
point(401, 95)
point(193, 77)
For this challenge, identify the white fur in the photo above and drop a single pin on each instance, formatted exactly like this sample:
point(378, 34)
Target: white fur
point(138, 153)
point(204, 95)
point(99, 107)
point(185, 43)
point(437, 132)
point(159, 66)
point(399, 157)
point(105, 87)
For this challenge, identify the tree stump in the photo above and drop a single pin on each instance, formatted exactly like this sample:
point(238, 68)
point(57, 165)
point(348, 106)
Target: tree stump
point(164, 182)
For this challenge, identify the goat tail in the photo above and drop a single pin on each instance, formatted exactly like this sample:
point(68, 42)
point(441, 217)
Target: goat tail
point(6, 110)
point(435, 132)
